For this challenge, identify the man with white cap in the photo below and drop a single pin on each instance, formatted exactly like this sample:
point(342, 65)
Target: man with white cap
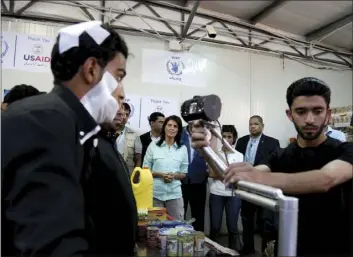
point(49, 143)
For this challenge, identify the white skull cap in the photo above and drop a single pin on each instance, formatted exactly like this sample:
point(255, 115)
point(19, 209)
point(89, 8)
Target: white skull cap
point(69, 36)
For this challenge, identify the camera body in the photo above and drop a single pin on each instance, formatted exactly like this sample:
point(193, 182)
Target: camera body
point(211, 32)
point(207, 108)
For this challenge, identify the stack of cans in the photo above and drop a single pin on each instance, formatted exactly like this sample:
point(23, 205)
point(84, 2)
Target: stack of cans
point(172, 246)
point(163, 235)
point(142, 232)
point(152, 236)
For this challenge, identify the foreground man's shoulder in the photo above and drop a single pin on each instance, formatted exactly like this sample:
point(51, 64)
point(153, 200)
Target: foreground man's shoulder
point(47, 121)
point(46, 108)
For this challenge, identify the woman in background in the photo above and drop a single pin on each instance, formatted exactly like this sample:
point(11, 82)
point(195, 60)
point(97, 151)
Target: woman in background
point(168, 161)
point(222, 197)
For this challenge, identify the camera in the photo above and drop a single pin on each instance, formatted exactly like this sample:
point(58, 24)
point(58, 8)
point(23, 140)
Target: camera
point(211, 32)
point(207, 108)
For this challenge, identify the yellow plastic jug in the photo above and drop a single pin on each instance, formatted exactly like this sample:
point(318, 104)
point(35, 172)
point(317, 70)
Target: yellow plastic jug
point(142, 186)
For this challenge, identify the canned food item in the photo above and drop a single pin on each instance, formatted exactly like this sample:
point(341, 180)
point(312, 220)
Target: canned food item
point(152, 236)
point(163, 235)
point(183, 232)
point(157, 213)
point(172, 245)
point(168, 224)
point(185, 227)
point(155, 223)
point(142, 233)
point(180, 245)
point(187, 245)
point(199, 239)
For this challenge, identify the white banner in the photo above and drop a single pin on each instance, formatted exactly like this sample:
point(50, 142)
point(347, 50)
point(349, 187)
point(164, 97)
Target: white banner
point(33, 53)
point(168, 68)
point(135, 103)
point(157, 104)
point(8, 49)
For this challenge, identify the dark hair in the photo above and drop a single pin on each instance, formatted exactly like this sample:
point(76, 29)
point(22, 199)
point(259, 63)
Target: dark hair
point(66, 65)
point(231, 129)
point(20, 92)
point(178, 135)
point(154, 116)
point(127, 107)
point(308, 87)
point(257, 117)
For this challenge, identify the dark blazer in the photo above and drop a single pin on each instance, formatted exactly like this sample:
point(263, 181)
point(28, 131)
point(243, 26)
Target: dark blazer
point(109, 192)
point(197, 170)
point(46, 176)
point(145, 141)
point(266, 146)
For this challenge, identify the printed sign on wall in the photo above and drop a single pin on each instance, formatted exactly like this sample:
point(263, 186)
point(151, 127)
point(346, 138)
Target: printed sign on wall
point(155, 104)
point(8, 47)
point(168, 68)
point(135, 103)
point(33, 53)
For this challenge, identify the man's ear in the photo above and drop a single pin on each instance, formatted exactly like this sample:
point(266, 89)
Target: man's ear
point(328, 116)
point(91, 71)
point(289, 114)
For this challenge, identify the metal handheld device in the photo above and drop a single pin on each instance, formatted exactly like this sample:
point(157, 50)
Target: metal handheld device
point(207, 109)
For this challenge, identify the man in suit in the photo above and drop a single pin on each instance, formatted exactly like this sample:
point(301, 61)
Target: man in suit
point(110, 180)
point(194, 184)
point(49, 185)
point(256, 148)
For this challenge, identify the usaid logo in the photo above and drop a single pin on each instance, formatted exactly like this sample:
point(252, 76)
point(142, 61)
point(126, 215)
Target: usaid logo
point(37, 49)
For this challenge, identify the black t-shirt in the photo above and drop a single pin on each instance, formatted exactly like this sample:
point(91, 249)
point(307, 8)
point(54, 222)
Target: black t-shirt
point(324, 218)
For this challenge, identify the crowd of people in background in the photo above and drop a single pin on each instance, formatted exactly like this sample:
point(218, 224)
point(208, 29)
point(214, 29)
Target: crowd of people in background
point(181, 175)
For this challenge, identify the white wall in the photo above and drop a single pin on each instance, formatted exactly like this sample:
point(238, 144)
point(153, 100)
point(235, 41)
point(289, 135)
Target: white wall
point(248, 83)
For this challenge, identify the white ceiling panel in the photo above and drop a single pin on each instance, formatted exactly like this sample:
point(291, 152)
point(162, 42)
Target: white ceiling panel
point(301, 17)
point(341, 38)
point(240, 9)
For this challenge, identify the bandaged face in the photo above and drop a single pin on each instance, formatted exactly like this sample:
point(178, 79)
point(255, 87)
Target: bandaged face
point(98, 101)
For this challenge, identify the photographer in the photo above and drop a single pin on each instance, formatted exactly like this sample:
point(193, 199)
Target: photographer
point(316, 169)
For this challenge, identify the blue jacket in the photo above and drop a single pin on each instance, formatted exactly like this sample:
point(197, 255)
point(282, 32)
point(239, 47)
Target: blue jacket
point(198, 170)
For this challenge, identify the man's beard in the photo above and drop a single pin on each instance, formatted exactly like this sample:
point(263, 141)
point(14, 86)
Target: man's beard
point(309, 136)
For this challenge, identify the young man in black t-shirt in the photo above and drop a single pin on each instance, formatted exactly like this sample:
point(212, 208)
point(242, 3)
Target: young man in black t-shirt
point(316, 169)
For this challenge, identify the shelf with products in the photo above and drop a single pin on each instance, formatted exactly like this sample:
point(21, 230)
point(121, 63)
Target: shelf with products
point(341, 120)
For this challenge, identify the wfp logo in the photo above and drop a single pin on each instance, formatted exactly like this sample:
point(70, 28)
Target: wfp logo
point(4, 48)
point(175, 66)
